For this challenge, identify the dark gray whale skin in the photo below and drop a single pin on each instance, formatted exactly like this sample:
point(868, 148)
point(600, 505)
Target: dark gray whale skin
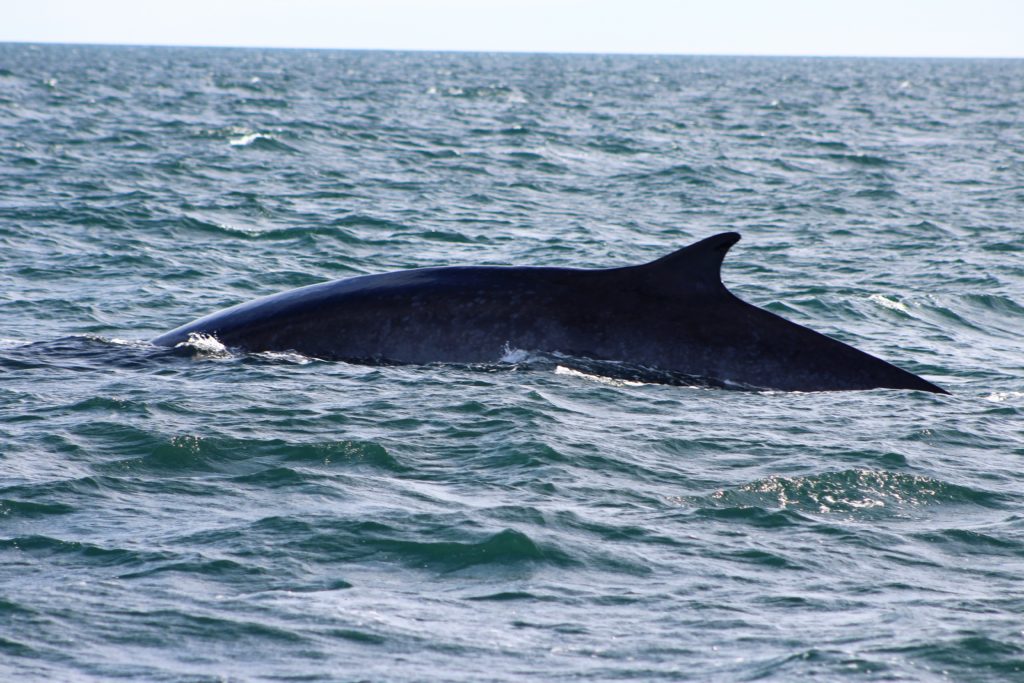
point(673, 315)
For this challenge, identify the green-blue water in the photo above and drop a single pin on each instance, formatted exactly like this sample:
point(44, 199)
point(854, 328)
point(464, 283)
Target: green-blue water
point(212, 516)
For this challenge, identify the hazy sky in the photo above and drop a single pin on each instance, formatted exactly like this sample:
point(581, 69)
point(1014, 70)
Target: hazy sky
point(956, 28)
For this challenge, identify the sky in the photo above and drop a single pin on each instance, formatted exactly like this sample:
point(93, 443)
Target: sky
point(896, 28)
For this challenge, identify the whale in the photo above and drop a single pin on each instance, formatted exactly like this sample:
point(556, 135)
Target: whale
point(672, 315)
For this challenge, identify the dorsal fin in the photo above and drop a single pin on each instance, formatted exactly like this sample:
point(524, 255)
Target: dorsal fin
point(696, 266)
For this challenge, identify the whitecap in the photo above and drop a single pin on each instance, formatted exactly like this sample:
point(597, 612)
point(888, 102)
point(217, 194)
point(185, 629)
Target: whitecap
point(248, 138)
point(891, 304)
point(1003, 396)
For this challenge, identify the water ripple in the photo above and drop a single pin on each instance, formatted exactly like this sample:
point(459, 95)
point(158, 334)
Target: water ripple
point(198, 513)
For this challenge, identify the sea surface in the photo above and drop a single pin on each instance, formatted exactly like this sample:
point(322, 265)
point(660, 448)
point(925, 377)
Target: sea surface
point(204, 515)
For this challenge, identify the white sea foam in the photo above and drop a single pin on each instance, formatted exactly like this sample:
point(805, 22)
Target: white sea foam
point(562, 370)
point(248, 138)
point(286, 357)
point(204, 345)
point(889, 303)
point(134, 343)
point(1004, 396)
point(516, 96)
point(511, 355)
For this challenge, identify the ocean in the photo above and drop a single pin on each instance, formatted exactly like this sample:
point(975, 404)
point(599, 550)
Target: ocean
point(206, 515)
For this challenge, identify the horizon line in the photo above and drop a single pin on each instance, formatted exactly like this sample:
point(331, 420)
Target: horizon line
point(504, 51)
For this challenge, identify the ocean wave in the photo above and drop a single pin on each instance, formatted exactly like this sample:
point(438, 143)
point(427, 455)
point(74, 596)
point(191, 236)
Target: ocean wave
point(262, 141)
point(192, 453)
point(29, 509)
point(862, 159)
point(506, 547)
point(980, 654)
point(221, 569)
point(374, 542)
point(850, 491)
point(891, 304)
point(89, 553)
point(260, 233)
